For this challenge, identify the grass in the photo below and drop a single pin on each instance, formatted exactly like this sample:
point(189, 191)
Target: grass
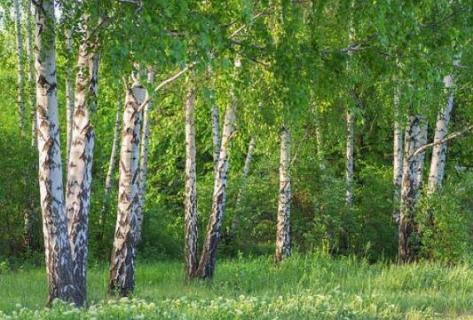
point(303, 287)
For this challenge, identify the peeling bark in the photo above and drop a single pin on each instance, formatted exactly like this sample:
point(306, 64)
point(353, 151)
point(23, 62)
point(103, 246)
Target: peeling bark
point(283, 235)
point(21, 67)
point(190, 201)
point(246, 170)
point(439, 151)
point(209, 252)
point(122, 264)
point(79, 174)
point(408, 229)
point(56, 243)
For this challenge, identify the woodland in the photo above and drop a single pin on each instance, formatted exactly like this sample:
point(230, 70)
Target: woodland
point(241, 159)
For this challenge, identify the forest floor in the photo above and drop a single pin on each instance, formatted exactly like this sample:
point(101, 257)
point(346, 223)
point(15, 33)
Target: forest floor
point(315, 287)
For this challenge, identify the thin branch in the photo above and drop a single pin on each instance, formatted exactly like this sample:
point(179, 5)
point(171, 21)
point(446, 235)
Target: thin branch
point(444, 140)
point(240, 29)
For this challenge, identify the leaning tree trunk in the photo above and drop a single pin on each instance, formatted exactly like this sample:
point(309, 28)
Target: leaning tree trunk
point(439, 152)
point(190, 201)
point(246, 170)
point(397, 158)
point(408, 232)
point(56, 243)
point(79, 173)
point(209, 252)
point(283, 235)
point(122, 264)
point(215, 136)
point(110, 171)
point(21, 69)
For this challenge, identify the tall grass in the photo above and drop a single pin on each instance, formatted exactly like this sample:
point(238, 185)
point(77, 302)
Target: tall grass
point(303, 286)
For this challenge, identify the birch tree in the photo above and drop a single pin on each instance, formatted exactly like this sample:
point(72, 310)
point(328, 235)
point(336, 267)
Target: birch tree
point(21, 68)
point(215, 135)
point(190, 201)
point(122, 265)
point(31, 70)
point(70, 99)
point(398, 156)
point(439, 151)
point(283, 236)
point(57, 250)
point(209, 252)
point(408, 230)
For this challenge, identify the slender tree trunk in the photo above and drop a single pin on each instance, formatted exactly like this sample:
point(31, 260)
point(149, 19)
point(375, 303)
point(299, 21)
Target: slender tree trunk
point(283, 236)
point(246, 170)
point(190, 202)
point(398, 158)
point(21, 67)
point(144, 159)
point(122, 265)
point(439, 152)
point(408, 231)
point(422, 141)
point(70, 98)
point(319, 138)
point(56, 243)
point(215, 136)
point(209, 252)
point(31, 71)
point(111, 170)
point(349, 158)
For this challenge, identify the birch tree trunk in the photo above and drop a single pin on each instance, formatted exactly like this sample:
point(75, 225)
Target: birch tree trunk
point(122, 264)
point(215, 136)
point(209, 252)
point(70, 99)
point(56, 243)
point(110, 171)
point(439, 152)
point(283, 236)
point(79, 174)
point(408, 231)
point(31, 71)
point(144, 159)
point(422, 141)
point(397, 158)
point(349, 158)
point(190, 201)
point(246, 170)
point(20, 66)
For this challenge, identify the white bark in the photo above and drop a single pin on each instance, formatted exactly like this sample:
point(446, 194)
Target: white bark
point(190, 201)
point(144, 158)
point(31, 71)
point(398, 157)
point(349, 157)
point(215, 135)
point(20, 66)
point(57, 250)
point(439, 151)
point(70, 99)
point(122, 265)
point(209, 251)
point(283, 236)
point(111, 170)
point(414, 139)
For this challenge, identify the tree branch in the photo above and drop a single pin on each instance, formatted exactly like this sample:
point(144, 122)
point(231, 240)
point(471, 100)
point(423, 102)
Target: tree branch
point(444, 140)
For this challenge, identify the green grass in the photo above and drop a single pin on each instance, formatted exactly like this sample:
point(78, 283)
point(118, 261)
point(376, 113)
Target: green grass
point(317, 287)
